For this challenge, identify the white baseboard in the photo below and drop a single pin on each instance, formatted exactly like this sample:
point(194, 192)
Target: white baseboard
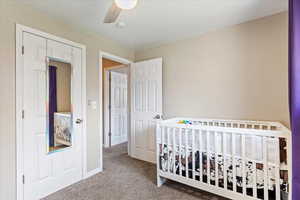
point(93, 172)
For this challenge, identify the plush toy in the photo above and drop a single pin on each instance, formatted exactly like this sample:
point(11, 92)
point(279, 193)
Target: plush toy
point(185, 122)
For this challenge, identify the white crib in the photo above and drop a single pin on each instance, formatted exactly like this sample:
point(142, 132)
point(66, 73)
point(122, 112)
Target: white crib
point(231, 158)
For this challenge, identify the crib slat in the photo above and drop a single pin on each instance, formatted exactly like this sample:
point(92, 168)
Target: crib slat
point(186, 153)
point(244, 164)
point(162, 147)
point(174, 151)
point(233, 163)
point(277, 168)
point(179, 153)
point(200, 157)
point(168, 150)
point(265, 163)
point(208, 157)
point(216, 159)
point(253, 147)
point(158, 143)
point(162, 140)
point(225, 160)
point(193, 154)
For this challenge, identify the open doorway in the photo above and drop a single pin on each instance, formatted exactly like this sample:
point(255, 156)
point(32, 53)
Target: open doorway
point(140, 100)
point(115, 75)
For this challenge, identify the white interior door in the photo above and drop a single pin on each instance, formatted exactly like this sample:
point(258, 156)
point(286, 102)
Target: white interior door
point(44, 172)
point(118, 107)
point(146, 104)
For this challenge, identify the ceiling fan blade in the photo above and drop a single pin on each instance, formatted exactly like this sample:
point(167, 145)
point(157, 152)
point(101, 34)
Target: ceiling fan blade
point(112, 14)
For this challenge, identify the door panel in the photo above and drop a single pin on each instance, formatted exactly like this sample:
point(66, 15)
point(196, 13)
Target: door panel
point(151, 143)
point(46, 172)
point(146, 103)
point(35, 121)
point(59, 50)
point(119, 107)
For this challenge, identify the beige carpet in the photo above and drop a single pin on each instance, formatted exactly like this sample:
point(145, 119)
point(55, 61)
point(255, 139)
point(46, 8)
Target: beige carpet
point(125, 178)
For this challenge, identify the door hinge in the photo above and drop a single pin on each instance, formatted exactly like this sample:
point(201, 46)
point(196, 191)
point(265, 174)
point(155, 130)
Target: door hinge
point(109, 107)
point(23, 114)
point(23, 50)
point(109, 134)
point(23, 179)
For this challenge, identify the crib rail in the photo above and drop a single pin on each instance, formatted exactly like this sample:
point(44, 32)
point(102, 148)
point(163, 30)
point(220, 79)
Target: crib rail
point(235, 159)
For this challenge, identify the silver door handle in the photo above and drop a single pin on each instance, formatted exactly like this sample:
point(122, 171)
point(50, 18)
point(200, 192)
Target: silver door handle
point(78, 121)
point(158, 116)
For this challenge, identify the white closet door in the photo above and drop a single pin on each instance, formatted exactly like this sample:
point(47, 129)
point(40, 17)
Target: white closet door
point(119, 107)
point(146, 105)
point(46, 172)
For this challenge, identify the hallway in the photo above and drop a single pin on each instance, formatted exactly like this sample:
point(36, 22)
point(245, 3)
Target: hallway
point(125, 178)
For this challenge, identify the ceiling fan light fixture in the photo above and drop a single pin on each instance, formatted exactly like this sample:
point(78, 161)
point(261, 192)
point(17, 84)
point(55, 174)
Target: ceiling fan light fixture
point(120, 24)
point(126, 4)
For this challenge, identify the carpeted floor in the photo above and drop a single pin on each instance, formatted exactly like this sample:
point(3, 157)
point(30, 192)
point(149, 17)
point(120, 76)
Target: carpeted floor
point(125, 178)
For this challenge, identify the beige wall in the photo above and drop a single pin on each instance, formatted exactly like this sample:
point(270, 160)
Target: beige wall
point(11, 13)
point(239, 72)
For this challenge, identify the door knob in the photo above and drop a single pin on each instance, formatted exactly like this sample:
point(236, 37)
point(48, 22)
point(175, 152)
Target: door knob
point(158, 116)
point(78, 121)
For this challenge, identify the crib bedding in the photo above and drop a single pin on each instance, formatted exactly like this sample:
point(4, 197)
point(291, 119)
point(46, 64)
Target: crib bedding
point(167, 164)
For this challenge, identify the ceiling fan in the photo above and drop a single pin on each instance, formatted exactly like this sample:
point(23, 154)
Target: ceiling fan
point(116, 8)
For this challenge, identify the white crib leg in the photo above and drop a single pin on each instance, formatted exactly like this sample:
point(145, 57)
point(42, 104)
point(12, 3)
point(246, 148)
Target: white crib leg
point(277, 169)
point(289, 162)
point(160, 181)
point(159, 137)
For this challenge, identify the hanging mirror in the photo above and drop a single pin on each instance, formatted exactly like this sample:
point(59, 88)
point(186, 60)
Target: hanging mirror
point(59, 114)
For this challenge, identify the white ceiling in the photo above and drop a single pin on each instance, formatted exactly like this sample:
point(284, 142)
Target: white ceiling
point(154, 22)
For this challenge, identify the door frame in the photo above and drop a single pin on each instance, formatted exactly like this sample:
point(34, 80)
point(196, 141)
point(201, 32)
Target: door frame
point(19, 102)
point(103, 54)
point(106, 111)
